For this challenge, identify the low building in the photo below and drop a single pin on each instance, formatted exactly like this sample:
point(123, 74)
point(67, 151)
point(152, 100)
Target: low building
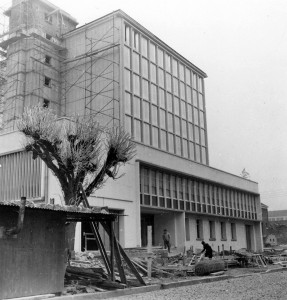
point(115, 68)
point(270, 240)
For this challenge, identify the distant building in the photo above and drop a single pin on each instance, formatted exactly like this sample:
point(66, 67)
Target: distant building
point(277, 215)
point(270, 240)
point(116, 69)
point(277, 225)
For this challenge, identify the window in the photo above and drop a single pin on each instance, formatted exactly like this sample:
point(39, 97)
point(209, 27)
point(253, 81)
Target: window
point(127, 80)
point(136, 83)
point(48, 59)
point(212, 231)
point(46, 103)
point(146, 134)
point(144, 46)
point(199, 229)
point(167, 62)
point(127, 57)
point(47, 81)
point(136, 62)
point(137, 107)
point(152, 52)
point(144, 68)
point(233, 232)
point(163, 139)
point(223, 231)
point(187, 229)
point(160, 57)
point(136, 40)
point(127, 35)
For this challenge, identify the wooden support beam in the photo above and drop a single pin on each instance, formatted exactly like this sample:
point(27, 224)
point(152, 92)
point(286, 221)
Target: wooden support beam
point(96, 233)
point(131, 265)
point(110, 225)
point(116, 253)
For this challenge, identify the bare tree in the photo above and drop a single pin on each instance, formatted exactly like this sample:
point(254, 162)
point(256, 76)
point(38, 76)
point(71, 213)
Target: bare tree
point(77, 150)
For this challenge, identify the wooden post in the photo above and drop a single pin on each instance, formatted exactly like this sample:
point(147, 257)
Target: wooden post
point(112, 251)
point(116, 251)
point(222, 251)
point(218, 251)
point(184, 256)
point(149, 250)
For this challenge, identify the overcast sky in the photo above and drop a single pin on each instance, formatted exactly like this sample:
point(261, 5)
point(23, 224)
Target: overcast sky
point(242, 46)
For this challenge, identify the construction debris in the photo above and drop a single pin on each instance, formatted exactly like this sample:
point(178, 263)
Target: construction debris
point(87, 273)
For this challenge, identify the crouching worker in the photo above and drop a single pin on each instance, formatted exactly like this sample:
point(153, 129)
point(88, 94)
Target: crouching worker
point(208, 250)
point(166, 240)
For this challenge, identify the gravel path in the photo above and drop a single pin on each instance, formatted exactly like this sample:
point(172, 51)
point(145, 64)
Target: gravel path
point(258, 286)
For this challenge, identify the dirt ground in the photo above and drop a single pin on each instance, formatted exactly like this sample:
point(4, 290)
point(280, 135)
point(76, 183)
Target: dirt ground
point(257, 286)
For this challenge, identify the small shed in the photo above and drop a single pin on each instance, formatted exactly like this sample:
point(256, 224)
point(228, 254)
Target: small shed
point(33, 261)
point(271, 240)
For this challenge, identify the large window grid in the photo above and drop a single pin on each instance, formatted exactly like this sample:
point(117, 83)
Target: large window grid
point(164, 102)
point(171, 191)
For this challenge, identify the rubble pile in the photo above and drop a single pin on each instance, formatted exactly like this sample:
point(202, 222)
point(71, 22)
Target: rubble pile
point(87, 274)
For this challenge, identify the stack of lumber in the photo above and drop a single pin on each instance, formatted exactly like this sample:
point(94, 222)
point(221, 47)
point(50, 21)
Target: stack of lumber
point(76, 278)
point(141, 266)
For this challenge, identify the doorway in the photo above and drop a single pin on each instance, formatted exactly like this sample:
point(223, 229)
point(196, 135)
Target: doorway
point(146, 220)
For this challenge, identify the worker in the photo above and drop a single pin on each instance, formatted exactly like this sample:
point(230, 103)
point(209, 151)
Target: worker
point(166, 240)
point(208, 250)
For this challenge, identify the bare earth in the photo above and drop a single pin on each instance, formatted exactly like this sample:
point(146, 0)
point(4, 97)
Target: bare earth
point(257, 286)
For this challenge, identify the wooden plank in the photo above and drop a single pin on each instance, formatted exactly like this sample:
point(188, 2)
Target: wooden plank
point(96, 233)
point(117, 255)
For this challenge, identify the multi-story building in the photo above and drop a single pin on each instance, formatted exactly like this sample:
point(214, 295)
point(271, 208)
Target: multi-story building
point(117, 70)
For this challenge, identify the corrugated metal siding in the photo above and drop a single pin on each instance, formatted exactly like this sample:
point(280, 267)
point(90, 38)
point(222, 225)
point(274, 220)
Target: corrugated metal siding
point(34, 262)
point(20, 175)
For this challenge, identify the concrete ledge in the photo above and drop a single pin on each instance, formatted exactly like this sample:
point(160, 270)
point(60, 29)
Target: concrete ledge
point(37, 297)
point(110, 294)
point(193, 281)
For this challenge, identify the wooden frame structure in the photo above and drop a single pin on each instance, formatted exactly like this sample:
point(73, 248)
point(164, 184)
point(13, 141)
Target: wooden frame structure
point(117, 253)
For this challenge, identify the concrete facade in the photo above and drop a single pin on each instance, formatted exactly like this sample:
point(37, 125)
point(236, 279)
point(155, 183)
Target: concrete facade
point(115, 68)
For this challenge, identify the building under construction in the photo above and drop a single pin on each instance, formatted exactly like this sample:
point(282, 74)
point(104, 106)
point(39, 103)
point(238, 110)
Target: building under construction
point(117, 70)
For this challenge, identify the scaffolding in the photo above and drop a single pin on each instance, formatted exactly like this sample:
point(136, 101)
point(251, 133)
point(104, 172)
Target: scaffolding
point(93, 76)
point(86, 83)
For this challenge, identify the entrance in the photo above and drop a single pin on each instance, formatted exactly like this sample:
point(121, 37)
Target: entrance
point(146, 220)
point(248, 237)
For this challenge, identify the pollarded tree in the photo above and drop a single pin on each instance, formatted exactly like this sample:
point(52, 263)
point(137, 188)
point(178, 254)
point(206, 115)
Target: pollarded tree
point(77, 150)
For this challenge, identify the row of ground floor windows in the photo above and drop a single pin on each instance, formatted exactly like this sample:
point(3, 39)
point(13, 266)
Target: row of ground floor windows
point(212, 230)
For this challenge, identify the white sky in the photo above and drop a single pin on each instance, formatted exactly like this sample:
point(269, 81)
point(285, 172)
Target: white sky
point(242, 46)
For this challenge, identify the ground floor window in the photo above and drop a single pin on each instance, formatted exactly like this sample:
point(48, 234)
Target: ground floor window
point(233, 232)
point(212, 236)
point(187, 230)
point(199, 229)
point(223, 231)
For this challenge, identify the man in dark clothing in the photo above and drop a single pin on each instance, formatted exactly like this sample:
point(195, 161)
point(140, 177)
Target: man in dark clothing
point(208, 250)
point(166, 240)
